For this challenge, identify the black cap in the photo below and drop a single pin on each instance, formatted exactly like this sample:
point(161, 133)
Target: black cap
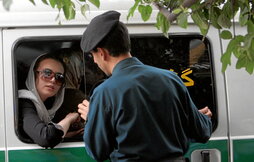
point(98, 28)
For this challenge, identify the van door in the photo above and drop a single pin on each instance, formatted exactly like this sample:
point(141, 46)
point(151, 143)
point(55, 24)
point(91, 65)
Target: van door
point(150, 47)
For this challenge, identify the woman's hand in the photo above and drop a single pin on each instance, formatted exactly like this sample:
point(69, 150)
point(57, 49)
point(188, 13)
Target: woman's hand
point(67, 121)
point(72, 117)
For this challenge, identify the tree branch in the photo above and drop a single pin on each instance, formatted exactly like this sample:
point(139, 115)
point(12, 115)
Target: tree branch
point(169, 15)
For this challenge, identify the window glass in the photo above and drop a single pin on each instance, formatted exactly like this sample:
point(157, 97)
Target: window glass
point(187, 55)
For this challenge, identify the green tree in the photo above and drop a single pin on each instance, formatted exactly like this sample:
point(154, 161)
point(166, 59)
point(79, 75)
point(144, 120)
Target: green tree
point(221, 14)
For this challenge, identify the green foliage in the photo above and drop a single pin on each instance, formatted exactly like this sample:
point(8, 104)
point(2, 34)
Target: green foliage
point(32, 1)
point(133, 8)
point(95, 2)
point(218, 13)
point(162, 24)
point(200, 19)
point(182, 20)
point(215, 12)
point(84, 8)
point(232, 48)
point(225, 34)
point(68, 7)
point(145, 11)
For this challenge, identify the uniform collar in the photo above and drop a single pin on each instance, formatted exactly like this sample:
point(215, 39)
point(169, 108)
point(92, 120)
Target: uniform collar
point(126, 63)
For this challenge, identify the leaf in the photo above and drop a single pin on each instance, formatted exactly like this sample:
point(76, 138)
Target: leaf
point(84, 8)
point(45, 2)
point(225, 60)
point(145, 11)
point(162, 24)
point(232, 46)
point(32, 1)
point(52, 3)
point(69, 11)
point(225, 34)
point(214, 15)
point(249, 68)
point(132, 9)
point(235, 45)
point(227, 10)
point(197, 18)
point(201, 21)
point(252, 46)
point(241, 62)
point(177, 10)
point(250, 27)
point(182, 20)
point(59, 4)
point(224, 21)
point(245, 61)
point(95, 2)
point(243, 17)
point(7, 4)
point(248, 40)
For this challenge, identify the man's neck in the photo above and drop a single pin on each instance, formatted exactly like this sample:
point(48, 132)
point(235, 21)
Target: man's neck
point(115, 60)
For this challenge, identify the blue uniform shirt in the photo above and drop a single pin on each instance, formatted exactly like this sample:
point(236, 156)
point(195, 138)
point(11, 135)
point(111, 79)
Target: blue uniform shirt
point(142, 113)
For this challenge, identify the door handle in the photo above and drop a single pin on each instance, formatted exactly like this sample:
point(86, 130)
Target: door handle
point(205, 156)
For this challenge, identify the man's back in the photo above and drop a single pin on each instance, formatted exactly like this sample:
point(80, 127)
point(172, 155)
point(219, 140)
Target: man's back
point(148, 113)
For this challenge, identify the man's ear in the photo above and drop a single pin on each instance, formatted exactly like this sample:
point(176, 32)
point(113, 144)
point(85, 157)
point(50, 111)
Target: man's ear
point(104, 53)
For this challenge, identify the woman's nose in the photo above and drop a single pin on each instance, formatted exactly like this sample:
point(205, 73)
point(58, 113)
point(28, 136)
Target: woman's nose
point(53, 80)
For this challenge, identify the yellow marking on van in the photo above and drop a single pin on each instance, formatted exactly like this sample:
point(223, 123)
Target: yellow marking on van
point(185, 77)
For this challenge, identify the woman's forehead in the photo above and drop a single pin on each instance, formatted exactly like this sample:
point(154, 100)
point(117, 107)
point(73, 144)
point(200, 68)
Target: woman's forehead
point(52, 64)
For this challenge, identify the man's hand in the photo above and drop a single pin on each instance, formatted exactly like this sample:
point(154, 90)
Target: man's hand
point(74, 133)
point(83, 109)
point(206, 111)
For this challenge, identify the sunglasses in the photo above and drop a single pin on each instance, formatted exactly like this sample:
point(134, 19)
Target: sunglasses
point(48, 74)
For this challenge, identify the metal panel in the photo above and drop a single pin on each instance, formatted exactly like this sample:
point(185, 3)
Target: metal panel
point(2, 117)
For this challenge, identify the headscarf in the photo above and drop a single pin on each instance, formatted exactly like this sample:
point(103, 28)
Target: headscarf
point(44, 114)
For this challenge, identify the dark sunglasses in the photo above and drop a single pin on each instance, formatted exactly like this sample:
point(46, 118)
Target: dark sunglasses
point(48, 74)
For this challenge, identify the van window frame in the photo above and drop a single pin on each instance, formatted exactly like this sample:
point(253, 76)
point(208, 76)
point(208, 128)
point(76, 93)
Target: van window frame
point(78, 38)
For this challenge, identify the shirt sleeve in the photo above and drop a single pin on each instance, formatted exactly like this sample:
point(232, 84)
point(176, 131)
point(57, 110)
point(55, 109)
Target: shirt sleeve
point(45, 135)
point(200, 125)
point(98, 140)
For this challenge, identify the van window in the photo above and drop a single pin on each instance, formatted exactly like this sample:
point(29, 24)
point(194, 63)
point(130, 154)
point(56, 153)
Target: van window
point(186, 55)
point(27, 49)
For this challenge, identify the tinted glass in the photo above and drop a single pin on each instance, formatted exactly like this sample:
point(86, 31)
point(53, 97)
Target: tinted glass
point(187, 55)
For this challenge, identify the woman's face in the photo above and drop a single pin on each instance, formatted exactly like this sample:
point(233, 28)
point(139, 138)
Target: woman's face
point(48, 86)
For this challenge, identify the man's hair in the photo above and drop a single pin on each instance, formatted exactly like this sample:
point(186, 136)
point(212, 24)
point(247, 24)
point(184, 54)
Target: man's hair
point(117, 41)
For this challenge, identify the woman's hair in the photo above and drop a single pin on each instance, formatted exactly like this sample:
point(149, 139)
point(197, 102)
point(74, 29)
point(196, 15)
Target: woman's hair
point(50, 55)
point(73, 59)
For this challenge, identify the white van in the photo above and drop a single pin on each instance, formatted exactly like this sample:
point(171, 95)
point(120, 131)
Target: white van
point(27, 31)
